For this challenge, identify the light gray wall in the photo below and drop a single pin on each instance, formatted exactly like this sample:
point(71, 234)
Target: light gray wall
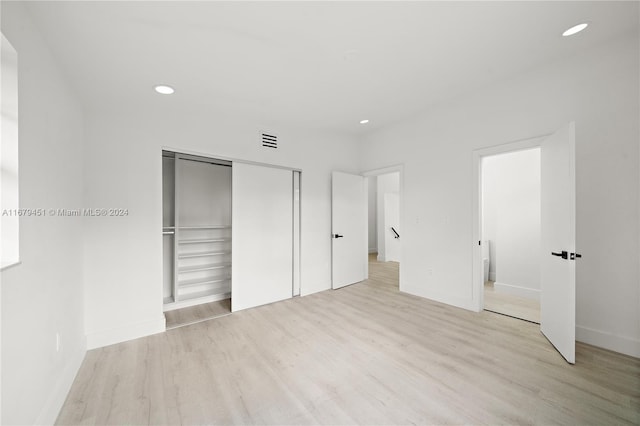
point(511, 220)
point(43, 295)
point(599, 90)
point(132, 179)
point(204, 193)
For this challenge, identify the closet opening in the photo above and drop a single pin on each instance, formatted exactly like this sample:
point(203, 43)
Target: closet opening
point(231, 235)
point(196, 233)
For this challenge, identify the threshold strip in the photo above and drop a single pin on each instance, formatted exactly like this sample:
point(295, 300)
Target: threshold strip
point(511, 316)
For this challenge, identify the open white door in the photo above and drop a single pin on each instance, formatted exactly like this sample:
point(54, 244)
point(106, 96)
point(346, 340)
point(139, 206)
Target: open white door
point(262, 235)
point(558, 240)
point(349, 229)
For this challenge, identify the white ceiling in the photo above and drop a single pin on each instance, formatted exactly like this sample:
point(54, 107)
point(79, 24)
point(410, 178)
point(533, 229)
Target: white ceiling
point(312, 64)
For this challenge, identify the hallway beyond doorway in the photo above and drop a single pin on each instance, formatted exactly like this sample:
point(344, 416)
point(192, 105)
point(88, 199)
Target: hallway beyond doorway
point(386, 273)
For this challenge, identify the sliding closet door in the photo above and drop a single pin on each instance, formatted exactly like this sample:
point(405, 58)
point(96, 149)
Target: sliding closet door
point(262, 249)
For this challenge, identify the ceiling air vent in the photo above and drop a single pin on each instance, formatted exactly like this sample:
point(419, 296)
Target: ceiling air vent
point(269, 141)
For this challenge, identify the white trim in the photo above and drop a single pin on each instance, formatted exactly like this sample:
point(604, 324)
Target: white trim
point(477, 274)
point(51, 409)
point(385, 170)
point(622, 344)
point(373, 250)
point(98, 339)
point(198, 321)
point(196, 301)
point(222, 157)
point(516, 290)
point(492, 276)
point(10, 264)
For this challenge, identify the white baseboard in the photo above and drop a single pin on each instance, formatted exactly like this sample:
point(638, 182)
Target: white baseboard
point(622, 344)
point(373, 250)
point(124, 333)
point(527, 293)
point(492, 275)
point(54, 403)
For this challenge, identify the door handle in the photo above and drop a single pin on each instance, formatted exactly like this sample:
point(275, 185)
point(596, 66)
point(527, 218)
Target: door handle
point(563, 254)
point(575, 256)
point(338, 236)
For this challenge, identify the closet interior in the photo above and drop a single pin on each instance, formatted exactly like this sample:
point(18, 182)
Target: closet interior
point(196, 230)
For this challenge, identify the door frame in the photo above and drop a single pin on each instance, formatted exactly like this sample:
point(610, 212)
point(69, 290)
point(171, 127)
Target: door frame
point(477, 296)
point(383, 171)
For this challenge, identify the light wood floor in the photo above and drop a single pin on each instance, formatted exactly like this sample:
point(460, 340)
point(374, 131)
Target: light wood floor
point(511, 305)
point(364, 354)
point(194, 314)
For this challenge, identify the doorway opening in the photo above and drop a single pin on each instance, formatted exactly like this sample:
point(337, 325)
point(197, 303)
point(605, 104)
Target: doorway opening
point(384, 224)
point(557, 253)
point(350, 210)
point(510, 221)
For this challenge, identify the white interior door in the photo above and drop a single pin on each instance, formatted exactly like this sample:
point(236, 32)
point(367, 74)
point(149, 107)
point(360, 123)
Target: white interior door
point(558, 240)
point(349, 229)
point(262, 238)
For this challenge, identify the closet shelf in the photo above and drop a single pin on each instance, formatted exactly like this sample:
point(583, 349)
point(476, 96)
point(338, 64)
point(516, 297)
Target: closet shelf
point(202, 281)
point(202, 254)
point(205, 227)
point(197, 268)
point(200, 294)
point(204, 240)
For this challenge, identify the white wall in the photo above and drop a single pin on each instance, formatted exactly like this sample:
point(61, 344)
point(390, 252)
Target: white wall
point(511, 220)
point(122, 155)
point(388, 183)
point(204, 194)
point(43, 295)
point(599, 90)
point(372, 188)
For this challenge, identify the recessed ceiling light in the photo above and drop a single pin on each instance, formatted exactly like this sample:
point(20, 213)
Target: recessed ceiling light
point(364, 121)
point(575, 29)
point(164, 90)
